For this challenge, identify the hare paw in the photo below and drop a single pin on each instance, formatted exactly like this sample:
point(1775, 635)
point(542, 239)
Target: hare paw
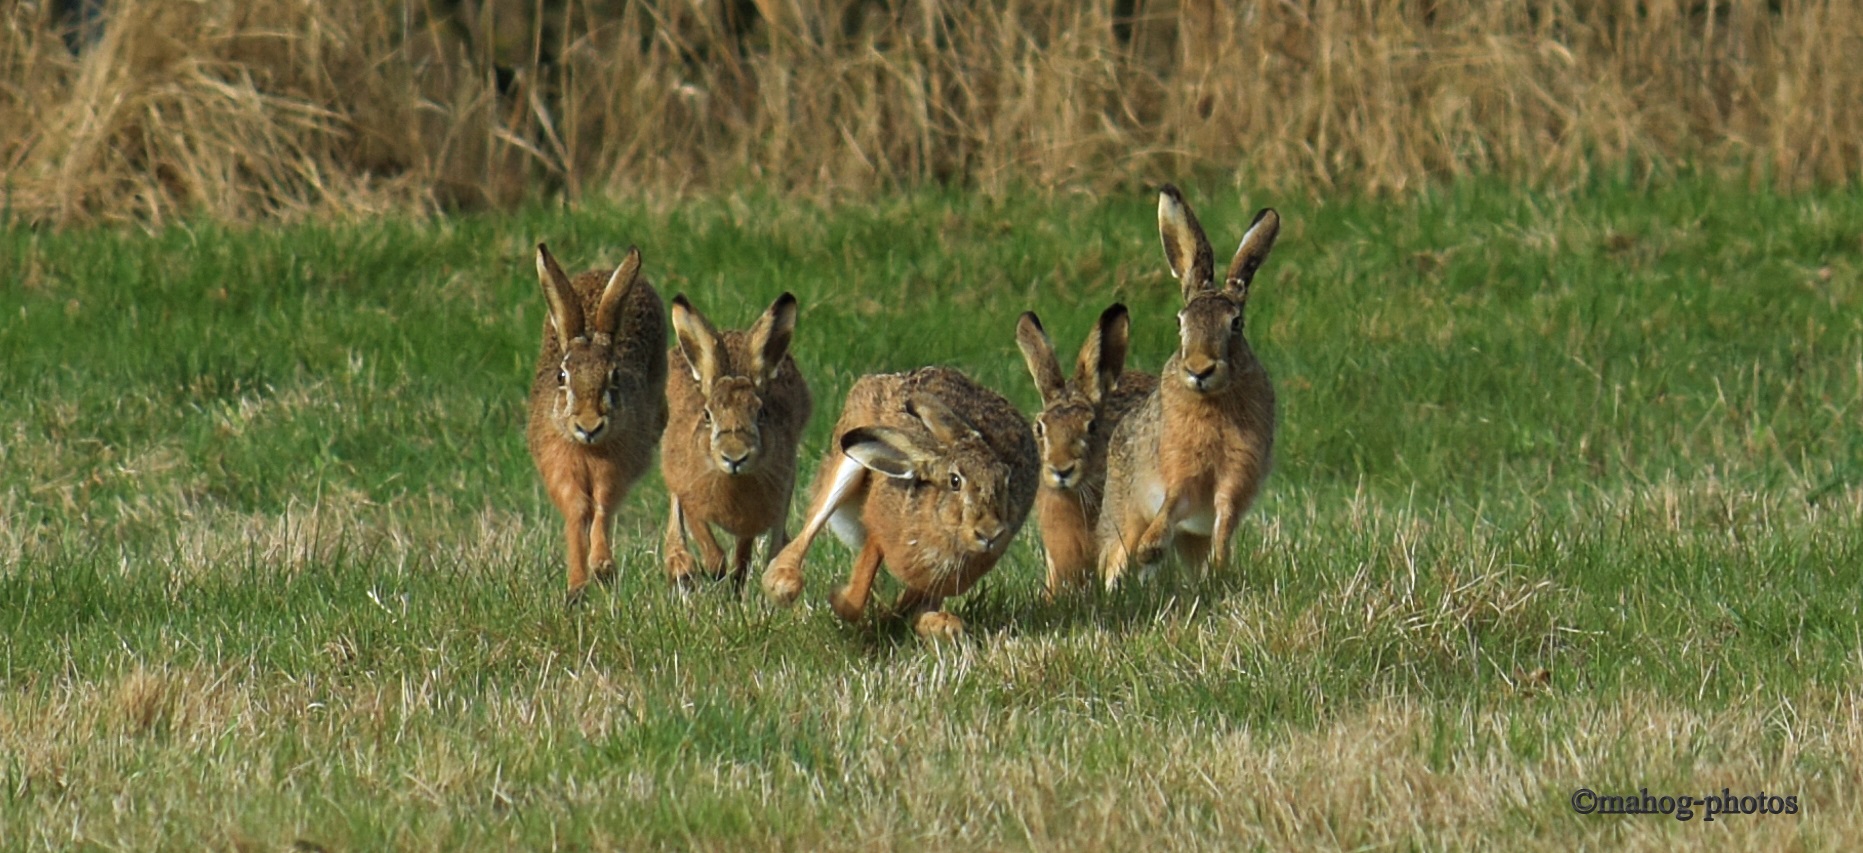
point(782, 581)
point(679, 569)
point(938, 625)
point(847, 610)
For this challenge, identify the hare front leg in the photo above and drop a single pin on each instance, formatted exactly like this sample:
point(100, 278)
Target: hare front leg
point(678, 559)
point(607, 495)
point(711, 555)
point(740, 562)
point(1151, 545)
point(850, 601)
point(576, 521)
point(1231, 503)
point(1066, 541)
point(572, 500)
point(779, 532)
point(782, 580)
point(1116, 553)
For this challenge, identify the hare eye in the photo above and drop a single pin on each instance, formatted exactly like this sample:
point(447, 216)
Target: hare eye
point(706, 416)
point(1041, 430)
point(562, 377)
point(957, 483)
point(1235, 324)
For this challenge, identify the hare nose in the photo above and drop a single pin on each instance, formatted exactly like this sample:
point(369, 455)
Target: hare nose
point(1201, 376)
point(987, 536)
point(587, 434)
point(734, 459)
point(1065, 474)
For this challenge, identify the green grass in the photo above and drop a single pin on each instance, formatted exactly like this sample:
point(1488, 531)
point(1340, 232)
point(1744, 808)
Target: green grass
point(1569, 493)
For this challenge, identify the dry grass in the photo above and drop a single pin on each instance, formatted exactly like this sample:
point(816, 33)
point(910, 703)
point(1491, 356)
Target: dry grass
point(287, 107)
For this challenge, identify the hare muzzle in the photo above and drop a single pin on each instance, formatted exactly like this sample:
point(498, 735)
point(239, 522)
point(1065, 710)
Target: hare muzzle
point(1204, 374)
point(588, 434)
point(987, 531)
point(734, 453)
point(733, 410)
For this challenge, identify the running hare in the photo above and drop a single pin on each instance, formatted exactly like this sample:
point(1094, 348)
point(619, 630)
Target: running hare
point(598, 403)
point(956, 472)
point(1188, 463)
point(739, 405)
point(1077, 418)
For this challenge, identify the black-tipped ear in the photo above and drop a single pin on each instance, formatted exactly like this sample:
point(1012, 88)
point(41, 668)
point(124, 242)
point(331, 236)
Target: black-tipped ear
point(608, 313)
point(946, 426)
point(699, 342)
point(1038, 354)
point(565, 307)
point(1186, 248)
point(1103, 356)
point(770, 337)
point(1252, 251)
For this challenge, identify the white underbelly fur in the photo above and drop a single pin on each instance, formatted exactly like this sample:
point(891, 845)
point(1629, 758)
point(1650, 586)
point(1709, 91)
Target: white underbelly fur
point(845, 522)
point(1200, 521)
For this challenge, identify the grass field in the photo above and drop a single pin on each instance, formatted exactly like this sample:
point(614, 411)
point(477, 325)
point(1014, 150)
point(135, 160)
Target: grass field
point(1569, 494)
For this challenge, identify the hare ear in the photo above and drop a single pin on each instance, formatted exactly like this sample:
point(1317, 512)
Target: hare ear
point(1038, 352)
point(1252, 251)
point(565, 307)
point(770, 336)
point(698, 342)
point(1185, 248)
point(887, 451)
point(1103, 356)
point(608, 313)
point(947, 427)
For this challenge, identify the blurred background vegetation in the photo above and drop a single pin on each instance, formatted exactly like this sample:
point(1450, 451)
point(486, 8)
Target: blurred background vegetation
point(141, 110)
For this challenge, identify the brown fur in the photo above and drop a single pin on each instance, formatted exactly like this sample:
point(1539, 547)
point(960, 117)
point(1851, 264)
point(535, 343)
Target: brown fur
point(597, 402)
point(1076, 422)
point(930, 474)
point(737, 400)
point(1190, 461)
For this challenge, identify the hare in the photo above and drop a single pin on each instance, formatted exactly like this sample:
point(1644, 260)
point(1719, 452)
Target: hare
point(1078, 416)
point(729, 452)
point(1184, 467)
point(929, 473)
point(598, 403)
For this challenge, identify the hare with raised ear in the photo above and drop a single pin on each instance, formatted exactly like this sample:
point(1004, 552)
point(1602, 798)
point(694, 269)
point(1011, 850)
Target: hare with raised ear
point(929, 473)
point(739, 405)
point(1189, 462)
point(598, 402)
point(1078, 417)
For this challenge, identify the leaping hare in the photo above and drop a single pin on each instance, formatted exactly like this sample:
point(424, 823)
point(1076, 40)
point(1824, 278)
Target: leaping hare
point(929, 473)
point(598, 403)
point(1078, 417)
point(1189, 462)
point(739, 406)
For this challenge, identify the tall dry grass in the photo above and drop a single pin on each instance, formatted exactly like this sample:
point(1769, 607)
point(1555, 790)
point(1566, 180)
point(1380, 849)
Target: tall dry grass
point(267, 108)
